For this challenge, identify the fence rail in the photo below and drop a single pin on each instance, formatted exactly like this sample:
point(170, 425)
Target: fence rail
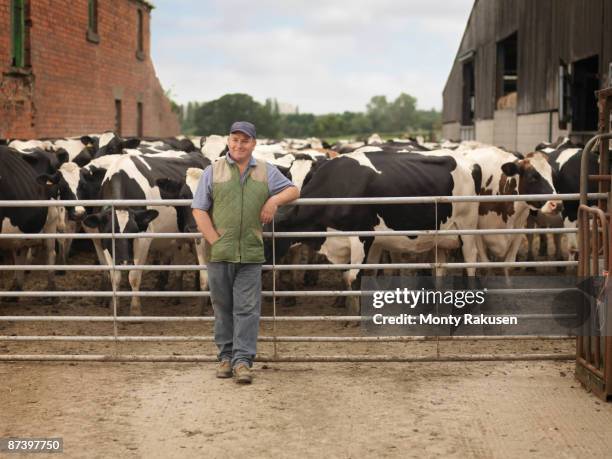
point(310, 201)
point(274, 318)
point(300, 234)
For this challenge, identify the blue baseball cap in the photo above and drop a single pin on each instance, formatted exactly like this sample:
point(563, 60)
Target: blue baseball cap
point(245, 127)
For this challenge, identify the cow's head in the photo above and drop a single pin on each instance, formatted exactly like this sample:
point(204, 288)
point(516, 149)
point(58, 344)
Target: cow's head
point(51, 185)
point(90, 183)
point(57, 187)
point(69, 178)
point(91, 145)
point(534, 177)
point(79, 151)
point(125, 221)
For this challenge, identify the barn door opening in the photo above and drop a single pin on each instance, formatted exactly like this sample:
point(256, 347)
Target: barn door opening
point(585, 81)
point(469, 93)
point(507, 72)
point(565, 95)
point(467, 130)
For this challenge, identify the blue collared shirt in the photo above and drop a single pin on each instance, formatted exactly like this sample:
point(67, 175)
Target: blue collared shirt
point(202, 198)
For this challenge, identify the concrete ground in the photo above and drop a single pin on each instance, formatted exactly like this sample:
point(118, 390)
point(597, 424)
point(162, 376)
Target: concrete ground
point(344, 410)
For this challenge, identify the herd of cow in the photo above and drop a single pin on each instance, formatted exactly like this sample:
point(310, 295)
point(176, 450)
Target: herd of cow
point(107, 166)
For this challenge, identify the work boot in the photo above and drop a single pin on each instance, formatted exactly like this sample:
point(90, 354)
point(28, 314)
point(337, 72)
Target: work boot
point(224, 370)
point(243, 374)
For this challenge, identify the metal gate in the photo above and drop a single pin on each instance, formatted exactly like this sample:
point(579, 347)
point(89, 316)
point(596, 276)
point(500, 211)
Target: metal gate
point(594, 352)
point(274, 338)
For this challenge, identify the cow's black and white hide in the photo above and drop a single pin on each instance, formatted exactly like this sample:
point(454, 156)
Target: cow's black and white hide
point(20, 182)
point(135, 177)
point(109, 143)
point(389, 174)
point(565, 160)
point(185, 189)
point(505, 174)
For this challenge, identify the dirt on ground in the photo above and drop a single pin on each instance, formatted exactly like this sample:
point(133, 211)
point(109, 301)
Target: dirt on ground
point(418, 409)
point(344, 410)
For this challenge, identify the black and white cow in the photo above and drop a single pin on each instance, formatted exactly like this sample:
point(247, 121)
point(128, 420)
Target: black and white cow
point(44, 162)
point(296, 167)
point(127, 221)
point(405, 145)
point(565, 158)
point(185, 189)
point(81, 150)
point(213, 146)
point(346, 146)
point(77, 183)
point(40, 156)
point(29, 145)
point(537, 219)
point(83, 183)
point(169, 143)
point(135, 177)
point(385, 173)
point(20, 182)
point(109, 143)
point(505, 174)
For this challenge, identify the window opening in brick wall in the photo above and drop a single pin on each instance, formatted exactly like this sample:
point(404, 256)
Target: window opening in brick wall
point(17, 33)
point(92, 24)
point(140, 36)
point(93, 15)
point(118, 117)
point(139, 120)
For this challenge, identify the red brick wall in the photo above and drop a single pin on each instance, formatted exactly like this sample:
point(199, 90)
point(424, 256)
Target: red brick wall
point(74, 81)
point(15, 90)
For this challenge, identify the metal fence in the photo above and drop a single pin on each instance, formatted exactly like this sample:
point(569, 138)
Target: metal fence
point(275, 339)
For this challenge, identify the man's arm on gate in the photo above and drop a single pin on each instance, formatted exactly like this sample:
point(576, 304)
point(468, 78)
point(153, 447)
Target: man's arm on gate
point(271, 206)
point(282, 190)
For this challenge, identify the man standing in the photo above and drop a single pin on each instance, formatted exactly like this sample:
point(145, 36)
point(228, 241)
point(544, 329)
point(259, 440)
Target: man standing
point(235, 195)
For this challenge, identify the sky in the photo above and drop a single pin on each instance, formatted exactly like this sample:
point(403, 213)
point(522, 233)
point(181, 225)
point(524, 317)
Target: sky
point(323, 56)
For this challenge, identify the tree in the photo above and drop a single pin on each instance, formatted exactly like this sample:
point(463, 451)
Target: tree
point(216, 117)
point(378, 113)
point(402, 113)
point(382, 116)
point(297, 125)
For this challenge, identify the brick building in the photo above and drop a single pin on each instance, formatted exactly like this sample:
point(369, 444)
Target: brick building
point(70, 67)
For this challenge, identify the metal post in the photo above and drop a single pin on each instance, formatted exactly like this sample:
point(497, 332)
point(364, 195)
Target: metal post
point(114, 287)
point(274, 334)
point(584, 164)
point(437, 268)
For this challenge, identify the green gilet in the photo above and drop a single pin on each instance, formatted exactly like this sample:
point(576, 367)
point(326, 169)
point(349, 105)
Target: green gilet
point(235, 213)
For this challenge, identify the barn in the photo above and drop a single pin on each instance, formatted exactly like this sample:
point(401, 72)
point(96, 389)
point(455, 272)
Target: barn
point(74, 67)
point(526, 72)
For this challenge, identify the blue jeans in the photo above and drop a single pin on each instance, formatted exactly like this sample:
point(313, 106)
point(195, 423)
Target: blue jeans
point(235, 292)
